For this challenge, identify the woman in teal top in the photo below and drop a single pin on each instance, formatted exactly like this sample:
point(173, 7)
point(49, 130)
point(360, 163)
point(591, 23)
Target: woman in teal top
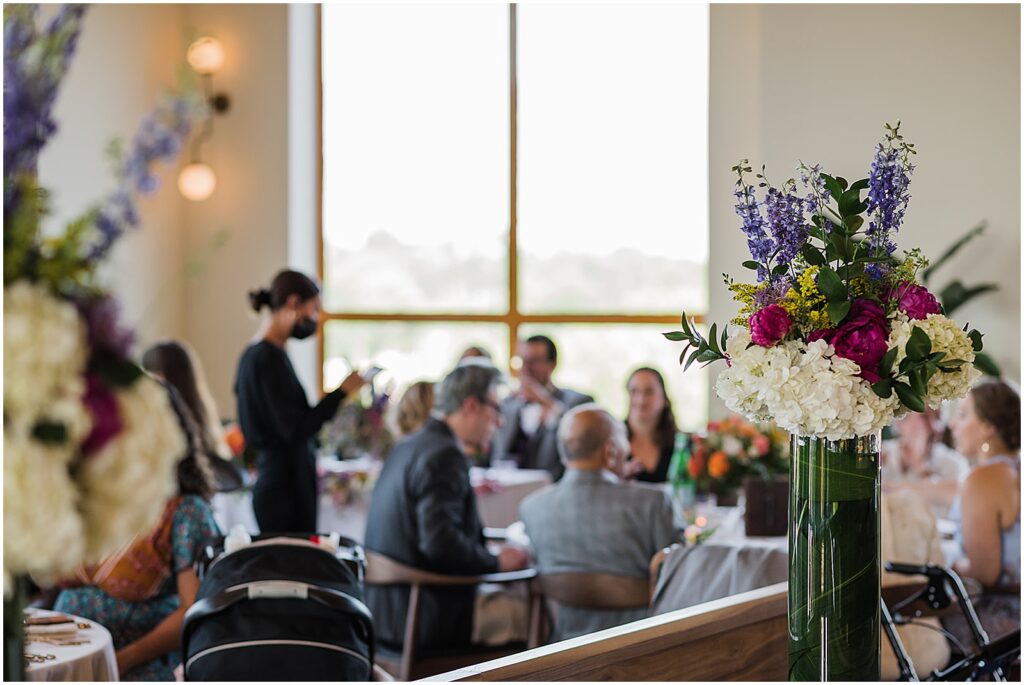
point(147, 633)
point(986, 430)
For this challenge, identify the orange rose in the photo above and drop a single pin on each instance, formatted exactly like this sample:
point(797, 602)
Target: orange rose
point(718, 464)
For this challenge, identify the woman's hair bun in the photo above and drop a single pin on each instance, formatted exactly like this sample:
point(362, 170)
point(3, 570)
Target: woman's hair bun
point(259, 298)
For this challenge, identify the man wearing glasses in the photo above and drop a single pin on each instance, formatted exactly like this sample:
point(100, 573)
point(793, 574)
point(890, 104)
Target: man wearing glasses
point(423, 513)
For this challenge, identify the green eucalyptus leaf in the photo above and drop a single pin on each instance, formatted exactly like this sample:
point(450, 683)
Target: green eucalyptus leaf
point(116, 372)
point(883, 388)
point(885, 367)
point(675, 336)
point(812, 255)
point(751, 264)
point(843, 183)
point(918, 383)
point(862, 184)
point(833, 186)
point(837, 311)
point(907, 396)
point(831, 285)
point(919, 346)
point(854, 223)
point(848, 201)
point(780, 269)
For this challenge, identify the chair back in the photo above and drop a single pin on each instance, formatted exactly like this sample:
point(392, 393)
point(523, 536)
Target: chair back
point(595, 590)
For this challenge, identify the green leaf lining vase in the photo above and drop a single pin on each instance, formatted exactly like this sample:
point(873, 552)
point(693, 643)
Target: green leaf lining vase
point(834, 559)
point(14, 631)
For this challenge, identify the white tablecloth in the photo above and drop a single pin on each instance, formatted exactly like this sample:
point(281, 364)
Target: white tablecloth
point(498, 506)
point(94, 661)
point(728, 563)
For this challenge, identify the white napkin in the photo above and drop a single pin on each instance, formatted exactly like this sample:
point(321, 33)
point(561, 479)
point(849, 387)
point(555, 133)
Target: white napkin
point(58, 629)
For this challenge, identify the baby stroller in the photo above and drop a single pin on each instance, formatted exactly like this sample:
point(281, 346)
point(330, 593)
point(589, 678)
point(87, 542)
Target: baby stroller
point(988, 659)
point(279, 608)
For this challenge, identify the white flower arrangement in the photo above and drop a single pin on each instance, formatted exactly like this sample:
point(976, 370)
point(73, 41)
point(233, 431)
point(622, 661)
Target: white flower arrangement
point(837, 337)
point(804, 388)
point(126, 484)
point(89, 440)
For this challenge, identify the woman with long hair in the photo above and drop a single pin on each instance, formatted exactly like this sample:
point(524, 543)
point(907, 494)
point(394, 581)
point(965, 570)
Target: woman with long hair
point(141, 593)
point(273, 411)
point(651, 427)
point(177, 364)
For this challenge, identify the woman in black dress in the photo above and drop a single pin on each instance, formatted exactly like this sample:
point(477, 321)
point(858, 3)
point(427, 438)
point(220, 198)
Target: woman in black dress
point(651, 427)
point(274, 414)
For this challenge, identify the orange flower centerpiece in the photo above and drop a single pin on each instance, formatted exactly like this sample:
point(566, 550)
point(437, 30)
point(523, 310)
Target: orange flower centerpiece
point(731, 450)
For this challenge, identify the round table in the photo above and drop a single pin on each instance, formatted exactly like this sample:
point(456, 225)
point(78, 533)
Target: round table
point(93, 661)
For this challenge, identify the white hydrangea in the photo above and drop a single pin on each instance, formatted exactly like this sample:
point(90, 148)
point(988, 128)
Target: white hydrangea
point(126, 484)
point(43, 530)
point(44, 349)
point(804, 388)
point(946, 337)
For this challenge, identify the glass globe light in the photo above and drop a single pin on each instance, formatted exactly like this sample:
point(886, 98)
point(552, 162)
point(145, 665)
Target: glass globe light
point(197, 181)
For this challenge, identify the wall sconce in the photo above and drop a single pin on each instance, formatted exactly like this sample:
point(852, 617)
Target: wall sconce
point(197, 181)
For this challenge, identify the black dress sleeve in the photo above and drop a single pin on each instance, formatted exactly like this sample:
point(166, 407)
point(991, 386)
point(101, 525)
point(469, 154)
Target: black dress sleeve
point(291, 417)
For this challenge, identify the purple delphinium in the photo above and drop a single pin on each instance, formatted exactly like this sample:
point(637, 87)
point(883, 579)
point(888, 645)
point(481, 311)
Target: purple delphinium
point(888, 196)
point(817, 196)
point(785, 213)
point(102, 322)
point(31, 81)
point(160, 138)
point(760, 245)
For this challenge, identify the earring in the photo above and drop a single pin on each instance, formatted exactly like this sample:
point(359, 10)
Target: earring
point(985, 448)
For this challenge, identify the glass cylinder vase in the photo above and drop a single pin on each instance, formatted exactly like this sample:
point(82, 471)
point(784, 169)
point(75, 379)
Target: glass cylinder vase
point(14, 630)
point(834, 559)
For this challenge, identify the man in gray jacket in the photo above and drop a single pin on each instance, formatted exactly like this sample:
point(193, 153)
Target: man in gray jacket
point(592, 522)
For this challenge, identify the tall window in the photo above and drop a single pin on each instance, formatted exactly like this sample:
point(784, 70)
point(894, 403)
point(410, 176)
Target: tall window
point(495, 171)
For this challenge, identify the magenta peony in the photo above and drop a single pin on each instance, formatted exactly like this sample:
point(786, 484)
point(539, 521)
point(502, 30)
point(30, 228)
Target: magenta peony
point(106, 416)
point(915, 301)
point(863, 337)
point(823, 334)
point(769, 325)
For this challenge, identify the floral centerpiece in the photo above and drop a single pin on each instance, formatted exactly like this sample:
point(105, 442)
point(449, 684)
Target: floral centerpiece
point(730, 450)
point(834, 339)
point(90, 441)
point(359, 429)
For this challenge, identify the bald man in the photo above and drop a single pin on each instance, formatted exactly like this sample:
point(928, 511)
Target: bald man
point(592, 522)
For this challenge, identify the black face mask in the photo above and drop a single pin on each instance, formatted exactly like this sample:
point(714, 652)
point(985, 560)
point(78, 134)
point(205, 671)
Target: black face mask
point(304, 328)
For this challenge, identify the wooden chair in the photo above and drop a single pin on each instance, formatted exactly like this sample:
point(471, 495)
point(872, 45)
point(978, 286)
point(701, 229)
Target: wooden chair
point(585, 591)
point(382, 570)
point(655, 568)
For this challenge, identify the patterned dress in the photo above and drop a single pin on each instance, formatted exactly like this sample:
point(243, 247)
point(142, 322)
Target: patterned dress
point(194, 528)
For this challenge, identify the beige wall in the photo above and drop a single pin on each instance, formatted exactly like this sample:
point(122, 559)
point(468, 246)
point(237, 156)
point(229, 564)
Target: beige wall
point(249, 152)
point(105, 96)
point(127, 54)
point(817, 82)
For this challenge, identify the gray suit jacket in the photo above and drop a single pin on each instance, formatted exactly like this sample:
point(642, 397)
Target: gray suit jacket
point(593, 523)
point(540, 451)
